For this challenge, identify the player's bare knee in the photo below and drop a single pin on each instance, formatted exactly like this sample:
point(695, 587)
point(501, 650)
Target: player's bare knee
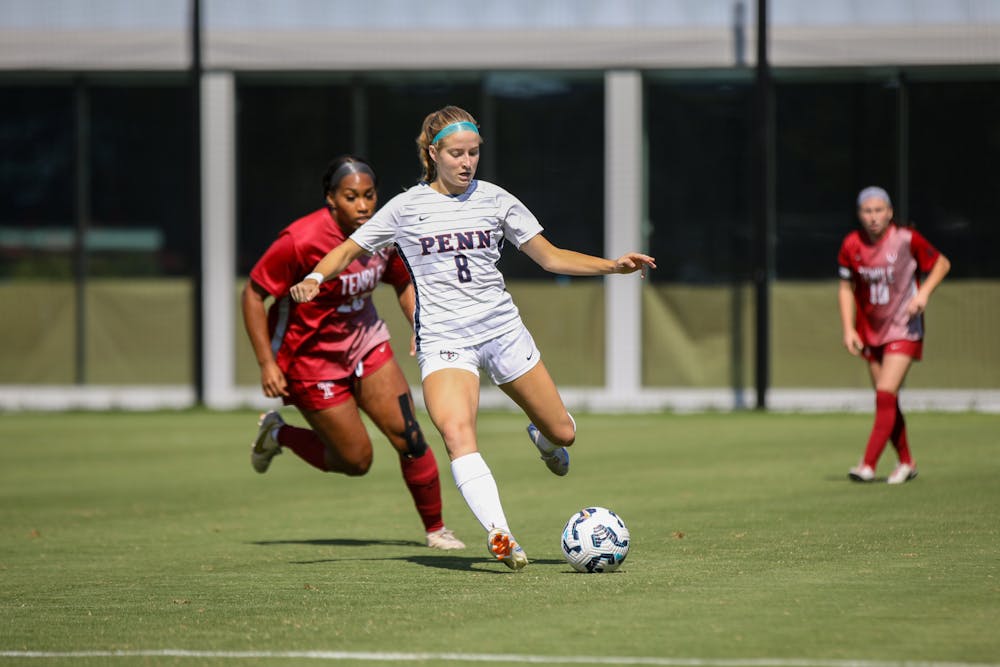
point(563, 436)
point(355, 462)
point(357, 466)
point(456, 434)
point(451, 432)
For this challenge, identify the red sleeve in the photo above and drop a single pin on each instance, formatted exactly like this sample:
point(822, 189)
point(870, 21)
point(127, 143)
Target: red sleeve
point(278, 269)
point(395, 271)
point(925, 254)
point(844, 259)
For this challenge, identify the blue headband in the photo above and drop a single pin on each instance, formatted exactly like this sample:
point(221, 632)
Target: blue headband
point(453, 128)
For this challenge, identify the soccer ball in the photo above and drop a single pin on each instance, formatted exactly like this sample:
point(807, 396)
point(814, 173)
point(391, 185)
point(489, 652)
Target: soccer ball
point(595, 539)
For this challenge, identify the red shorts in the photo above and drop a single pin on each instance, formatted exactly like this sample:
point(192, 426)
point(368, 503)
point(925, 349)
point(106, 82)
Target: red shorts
point(315, 395)
point(911, 348)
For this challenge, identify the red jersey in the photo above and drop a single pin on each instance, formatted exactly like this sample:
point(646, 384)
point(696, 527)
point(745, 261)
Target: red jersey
point(885, 275)
point(325, 338)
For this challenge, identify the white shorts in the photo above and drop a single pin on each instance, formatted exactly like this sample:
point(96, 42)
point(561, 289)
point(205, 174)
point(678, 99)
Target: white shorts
point(506, 357)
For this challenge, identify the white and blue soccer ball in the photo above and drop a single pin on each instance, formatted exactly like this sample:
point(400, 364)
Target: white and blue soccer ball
point(595, 539)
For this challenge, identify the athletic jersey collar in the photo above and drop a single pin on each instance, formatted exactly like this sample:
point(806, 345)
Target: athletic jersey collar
point(867, 239)
point(473, 185)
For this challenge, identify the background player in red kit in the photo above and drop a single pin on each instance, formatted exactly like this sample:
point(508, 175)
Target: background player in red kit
point(331, 357)
point(882, 303)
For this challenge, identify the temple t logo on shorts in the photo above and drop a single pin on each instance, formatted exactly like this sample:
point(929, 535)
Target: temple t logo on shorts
point(448, 355)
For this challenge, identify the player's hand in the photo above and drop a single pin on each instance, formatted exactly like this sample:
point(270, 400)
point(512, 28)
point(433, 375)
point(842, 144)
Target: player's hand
point(273, 381)
point(631, 262)
point(853, 343)
point(917, 305)
point(304, 291)
point(413, 344)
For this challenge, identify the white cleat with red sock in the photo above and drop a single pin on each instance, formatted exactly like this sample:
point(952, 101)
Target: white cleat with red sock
point(265, 445)
point(444, 539)
point(903, 473)
point(862, 473)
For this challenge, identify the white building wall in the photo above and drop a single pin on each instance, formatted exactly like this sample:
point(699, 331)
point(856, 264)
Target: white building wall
point(390, 34)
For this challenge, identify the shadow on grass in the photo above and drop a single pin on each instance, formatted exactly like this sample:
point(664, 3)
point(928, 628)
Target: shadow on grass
point(342, 542)
point(441, 562)
point(845, 478)
point(437, 559)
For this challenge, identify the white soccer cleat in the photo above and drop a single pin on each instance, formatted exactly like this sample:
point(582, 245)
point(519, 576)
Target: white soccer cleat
point(904, 472)
point(265, 446)
point(505, 548)
point(556, 458)
point(861, 473)
point(444, 539)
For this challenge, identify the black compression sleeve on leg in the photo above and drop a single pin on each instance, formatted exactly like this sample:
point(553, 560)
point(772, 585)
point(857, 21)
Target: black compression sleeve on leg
point(415, 443)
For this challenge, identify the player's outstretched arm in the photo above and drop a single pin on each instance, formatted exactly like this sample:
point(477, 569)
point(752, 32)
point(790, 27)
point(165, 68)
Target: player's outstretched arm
point(330, 266)
point(571, 263)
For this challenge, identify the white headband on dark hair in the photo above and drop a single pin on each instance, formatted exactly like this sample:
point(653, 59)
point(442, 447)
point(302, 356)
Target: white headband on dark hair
point(876, 192)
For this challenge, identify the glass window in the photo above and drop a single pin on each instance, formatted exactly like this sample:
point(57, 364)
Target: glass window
point(699, 199)
point(135, 146)
point(37, 180)
point(547, 149)
point(143, 210)
point(396, 107)
point(954, 153)
point(831, 140)
point(286, 136)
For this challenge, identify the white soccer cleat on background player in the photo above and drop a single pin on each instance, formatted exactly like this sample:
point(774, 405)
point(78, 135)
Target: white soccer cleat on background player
point(505, 549)
point(556, 458)
point(265, 446)
point(861, 473)
point(904, 472)
point(444, 539)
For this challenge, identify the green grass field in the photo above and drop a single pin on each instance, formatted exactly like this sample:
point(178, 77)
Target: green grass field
point(144, 533)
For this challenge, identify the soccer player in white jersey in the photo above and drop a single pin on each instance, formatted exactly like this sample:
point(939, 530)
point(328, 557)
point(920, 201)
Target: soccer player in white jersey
point(448, 229)
point(882, 302)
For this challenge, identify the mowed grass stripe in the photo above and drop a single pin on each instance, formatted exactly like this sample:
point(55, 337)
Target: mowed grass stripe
point(464, 657)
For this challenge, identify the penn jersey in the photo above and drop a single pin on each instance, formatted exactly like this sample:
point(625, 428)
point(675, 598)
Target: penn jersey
point(885, 275)
point(325, 338)
point(451, 245)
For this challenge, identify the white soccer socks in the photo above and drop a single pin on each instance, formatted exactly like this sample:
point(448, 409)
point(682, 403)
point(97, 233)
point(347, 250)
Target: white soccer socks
point(476, 484)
